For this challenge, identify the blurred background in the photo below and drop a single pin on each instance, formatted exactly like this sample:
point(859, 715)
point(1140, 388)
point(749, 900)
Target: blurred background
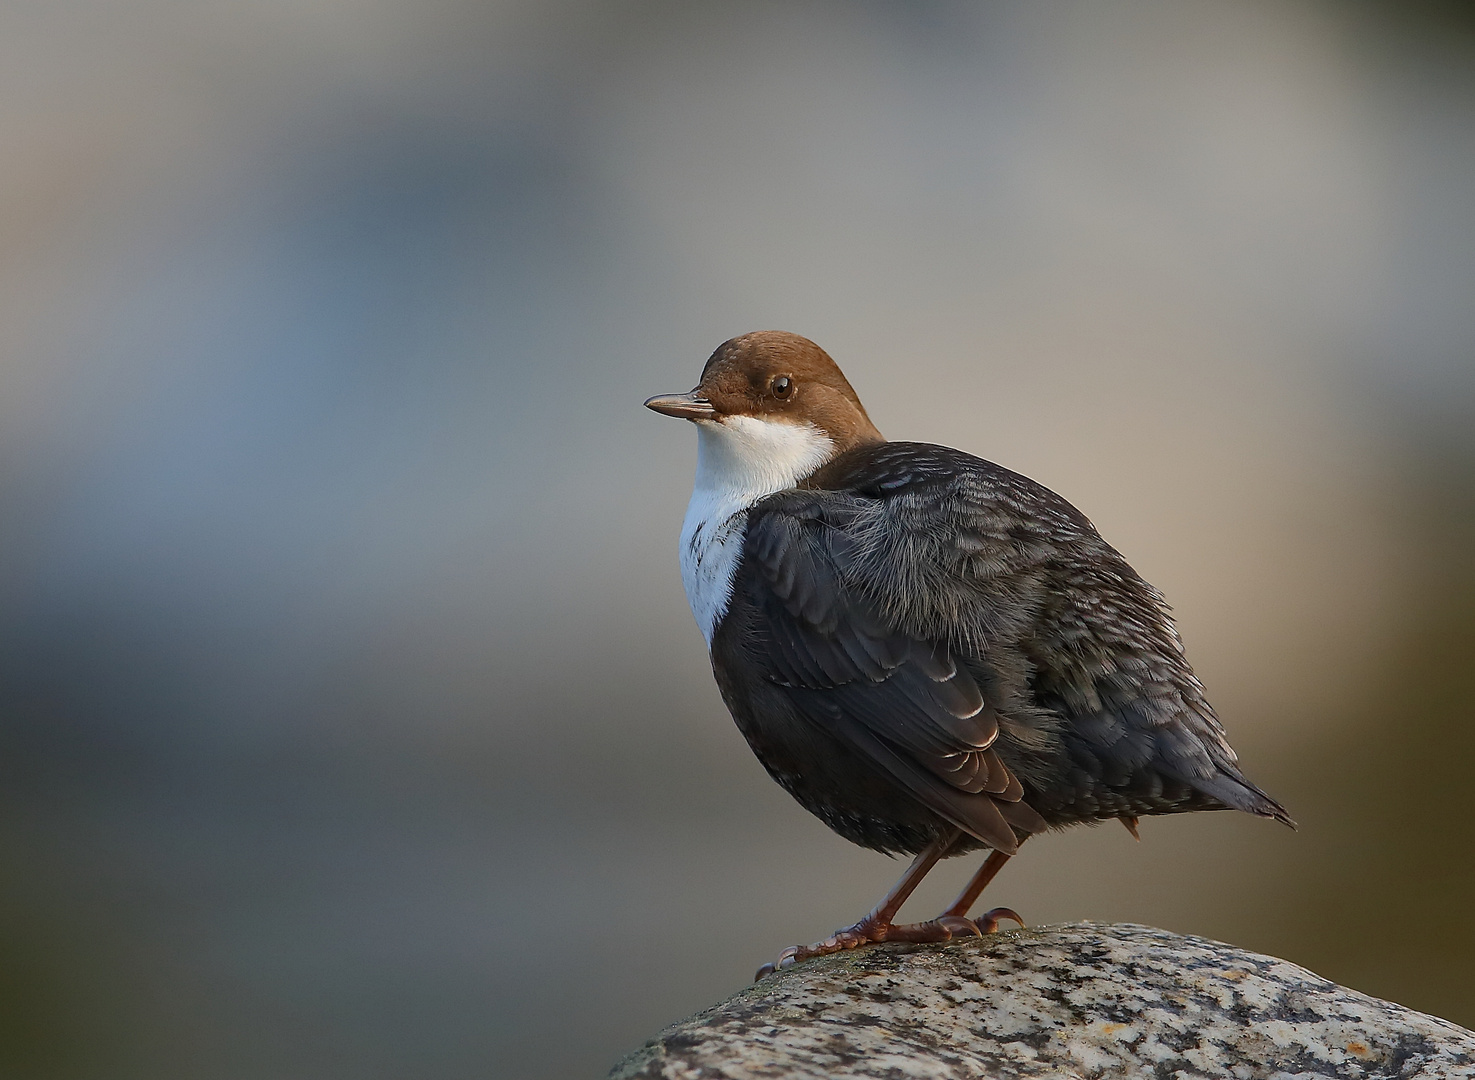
point(352, 720)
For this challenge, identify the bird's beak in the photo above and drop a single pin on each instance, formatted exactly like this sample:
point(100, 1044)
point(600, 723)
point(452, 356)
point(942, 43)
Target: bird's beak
point(690, 406)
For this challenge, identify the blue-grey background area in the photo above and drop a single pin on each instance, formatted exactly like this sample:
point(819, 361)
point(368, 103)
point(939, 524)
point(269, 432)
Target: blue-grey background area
point(352, 722)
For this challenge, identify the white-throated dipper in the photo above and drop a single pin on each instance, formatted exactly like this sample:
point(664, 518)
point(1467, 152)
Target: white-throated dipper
point(932, 654)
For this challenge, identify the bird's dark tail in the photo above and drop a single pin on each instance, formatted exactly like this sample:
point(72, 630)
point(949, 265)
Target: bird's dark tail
point(1231, 787)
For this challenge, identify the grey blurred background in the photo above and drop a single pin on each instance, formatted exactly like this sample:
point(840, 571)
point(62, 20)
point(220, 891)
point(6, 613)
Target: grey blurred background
point(352, 722)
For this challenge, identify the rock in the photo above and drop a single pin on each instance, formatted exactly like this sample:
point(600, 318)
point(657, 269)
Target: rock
point(1079, 1000)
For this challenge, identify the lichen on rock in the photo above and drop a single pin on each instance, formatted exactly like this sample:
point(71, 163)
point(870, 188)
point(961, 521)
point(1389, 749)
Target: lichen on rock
point(1079, 1000)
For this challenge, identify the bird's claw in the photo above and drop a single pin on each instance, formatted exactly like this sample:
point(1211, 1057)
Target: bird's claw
point(786, 959)
point(957, 926)
point(988, 922)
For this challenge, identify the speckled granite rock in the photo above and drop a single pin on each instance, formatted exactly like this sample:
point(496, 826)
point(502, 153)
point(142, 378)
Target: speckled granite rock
point(1081, 1000)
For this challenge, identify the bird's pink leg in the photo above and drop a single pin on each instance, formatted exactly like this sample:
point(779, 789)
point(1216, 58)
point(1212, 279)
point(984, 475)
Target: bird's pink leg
point(988, 922)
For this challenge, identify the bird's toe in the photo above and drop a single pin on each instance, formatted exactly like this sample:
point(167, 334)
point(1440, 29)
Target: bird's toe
point(957, 926)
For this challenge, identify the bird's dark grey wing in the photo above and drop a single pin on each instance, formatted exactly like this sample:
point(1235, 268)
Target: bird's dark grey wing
point(902, 700)
point(1106, 717)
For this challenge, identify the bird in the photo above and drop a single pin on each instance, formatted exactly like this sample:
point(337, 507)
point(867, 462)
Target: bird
point(931, 653)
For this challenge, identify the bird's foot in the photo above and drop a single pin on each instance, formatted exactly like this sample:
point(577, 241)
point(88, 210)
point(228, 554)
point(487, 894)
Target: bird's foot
point(871, 931)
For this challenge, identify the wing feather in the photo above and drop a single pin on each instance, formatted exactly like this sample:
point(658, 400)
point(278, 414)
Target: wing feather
point(901, 699)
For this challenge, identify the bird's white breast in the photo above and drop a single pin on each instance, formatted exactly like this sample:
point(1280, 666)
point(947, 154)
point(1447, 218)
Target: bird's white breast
point(740, 459)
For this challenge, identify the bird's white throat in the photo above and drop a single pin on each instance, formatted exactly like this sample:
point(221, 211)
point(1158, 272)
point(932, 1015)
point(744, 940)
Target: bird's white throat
point(740, 459)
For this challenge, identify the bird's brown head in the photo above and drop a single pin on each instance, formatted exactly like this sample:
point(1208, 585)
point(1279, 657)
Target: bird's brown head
point(772, 377)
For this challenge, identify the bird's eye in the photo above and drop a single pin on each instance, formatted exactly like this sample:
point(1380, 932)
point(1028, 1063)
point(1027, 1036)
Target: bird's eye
point(782, 386)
